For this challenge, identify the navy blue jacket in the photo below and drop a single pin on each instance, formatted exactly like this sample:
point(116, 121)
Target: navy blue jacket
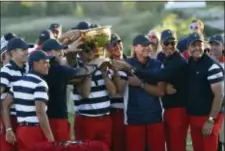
point(175, 72)
point(143, 108)
point(202, 73)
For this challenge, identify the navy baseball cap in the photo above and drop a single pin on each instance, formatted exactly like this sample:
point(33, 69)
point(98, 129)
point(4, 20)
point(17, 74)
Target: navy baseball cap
point(193, 37)
point(115, 38)
point(9, 36)
point(44, 35)
point(54, 26)
point(217, 39)
point(83, 25)
point(52, 44)
point(37, 56)
point(141, 40)
point(18, 43)
point(167, 35)
point(5, 39)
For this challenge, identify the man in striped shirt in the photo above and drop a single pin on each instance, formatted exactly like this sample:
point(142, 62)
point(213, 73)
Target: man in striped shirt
point(217, 51)
point(205, 96)
point(30, 96)
point(115, 51)
point(10, 73)
point(91, 99)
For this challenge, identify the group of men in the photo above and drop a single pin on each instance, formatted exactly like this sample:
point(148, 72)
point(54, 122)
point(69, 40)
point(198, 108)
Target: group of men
point(133, 103)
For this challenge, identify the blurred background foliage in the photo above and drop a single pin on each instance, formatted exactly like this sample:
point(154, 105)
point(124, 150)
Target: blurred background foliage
point(27, 18)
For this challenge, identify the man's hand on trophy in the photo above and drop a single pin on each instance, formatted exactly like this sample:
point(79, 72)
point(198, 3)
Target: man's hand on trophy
point(104, 66)
point(74, 47)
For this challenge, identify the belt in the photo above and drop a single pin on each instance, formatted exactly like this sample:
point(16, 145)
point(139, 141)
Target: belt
point(28, 124)
point(117, 110)
point(101, 116)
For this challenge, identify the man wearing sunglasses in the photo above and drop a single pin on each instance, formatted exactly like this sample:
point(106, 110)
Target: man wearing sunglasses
point(205, 96)
point(174, 100)
point(174, 74)
point(216, 43)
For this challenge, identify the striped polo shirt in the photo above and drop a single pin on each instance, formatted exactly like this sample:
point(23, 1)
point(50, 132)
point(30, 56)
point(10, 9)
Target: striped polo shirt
point(11, 73)
point(25, 92)
point(118, 102)
point(98, 102)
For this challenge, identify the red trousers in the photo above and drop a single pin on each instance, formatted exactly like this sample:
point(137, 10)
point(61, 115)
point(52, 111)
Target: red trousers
point(118, 130)
point(28, 136)
point(136, 136)
point(201, 142)
point(60, 129)
point(4, 145)
point(176, 128)
point(93, 128)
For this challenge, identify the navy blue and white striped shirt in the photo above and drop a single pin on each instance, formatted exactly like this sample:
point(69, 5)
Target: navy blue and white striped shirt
point(118, 102)
point(98, 102)
point(11, 73)
point(25, 92)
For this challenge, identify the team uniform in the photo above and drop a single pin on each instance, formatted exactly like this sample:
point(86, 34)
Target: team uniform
point(25, 92)
point(117, 116)
point(202, 74)
point(222, 137)
point(57, 80)
point(10, 73)
point(92, 121)
point(175, 72)
point(144, 114)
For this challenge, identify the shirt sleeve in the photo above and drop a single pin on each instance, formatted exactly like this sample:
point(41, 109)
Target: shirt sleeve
point(215, 74)
point(41, 92)
point(68, 72)
point(161, 74)
point(5, 77)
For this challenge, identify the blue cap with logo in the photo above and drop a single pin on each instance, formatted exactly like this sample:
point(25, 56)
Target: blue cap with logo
point(141, 40)
point(218, 38)
point(18, 43)
point(37, 56)
point(52, 44)
point(167, 35)
point(44, 35)
point(194, 37)
point(115, 38)
point(54, 26)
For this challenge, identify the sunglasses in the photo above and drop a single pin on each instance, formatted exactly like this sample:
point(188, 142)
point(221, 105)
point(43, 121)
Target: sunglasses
point(167, 43)
point(193, 27)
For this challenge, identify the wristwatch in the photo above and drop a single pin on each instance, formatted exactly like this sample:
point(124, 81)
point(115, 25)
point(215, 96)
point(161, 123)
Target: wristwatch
point(142, 85)
point(132, 70)
point(211, 119)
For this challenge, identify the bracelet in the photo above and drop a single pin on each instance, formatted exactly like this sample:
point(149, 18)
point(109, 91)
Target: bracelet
point(8, 129)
